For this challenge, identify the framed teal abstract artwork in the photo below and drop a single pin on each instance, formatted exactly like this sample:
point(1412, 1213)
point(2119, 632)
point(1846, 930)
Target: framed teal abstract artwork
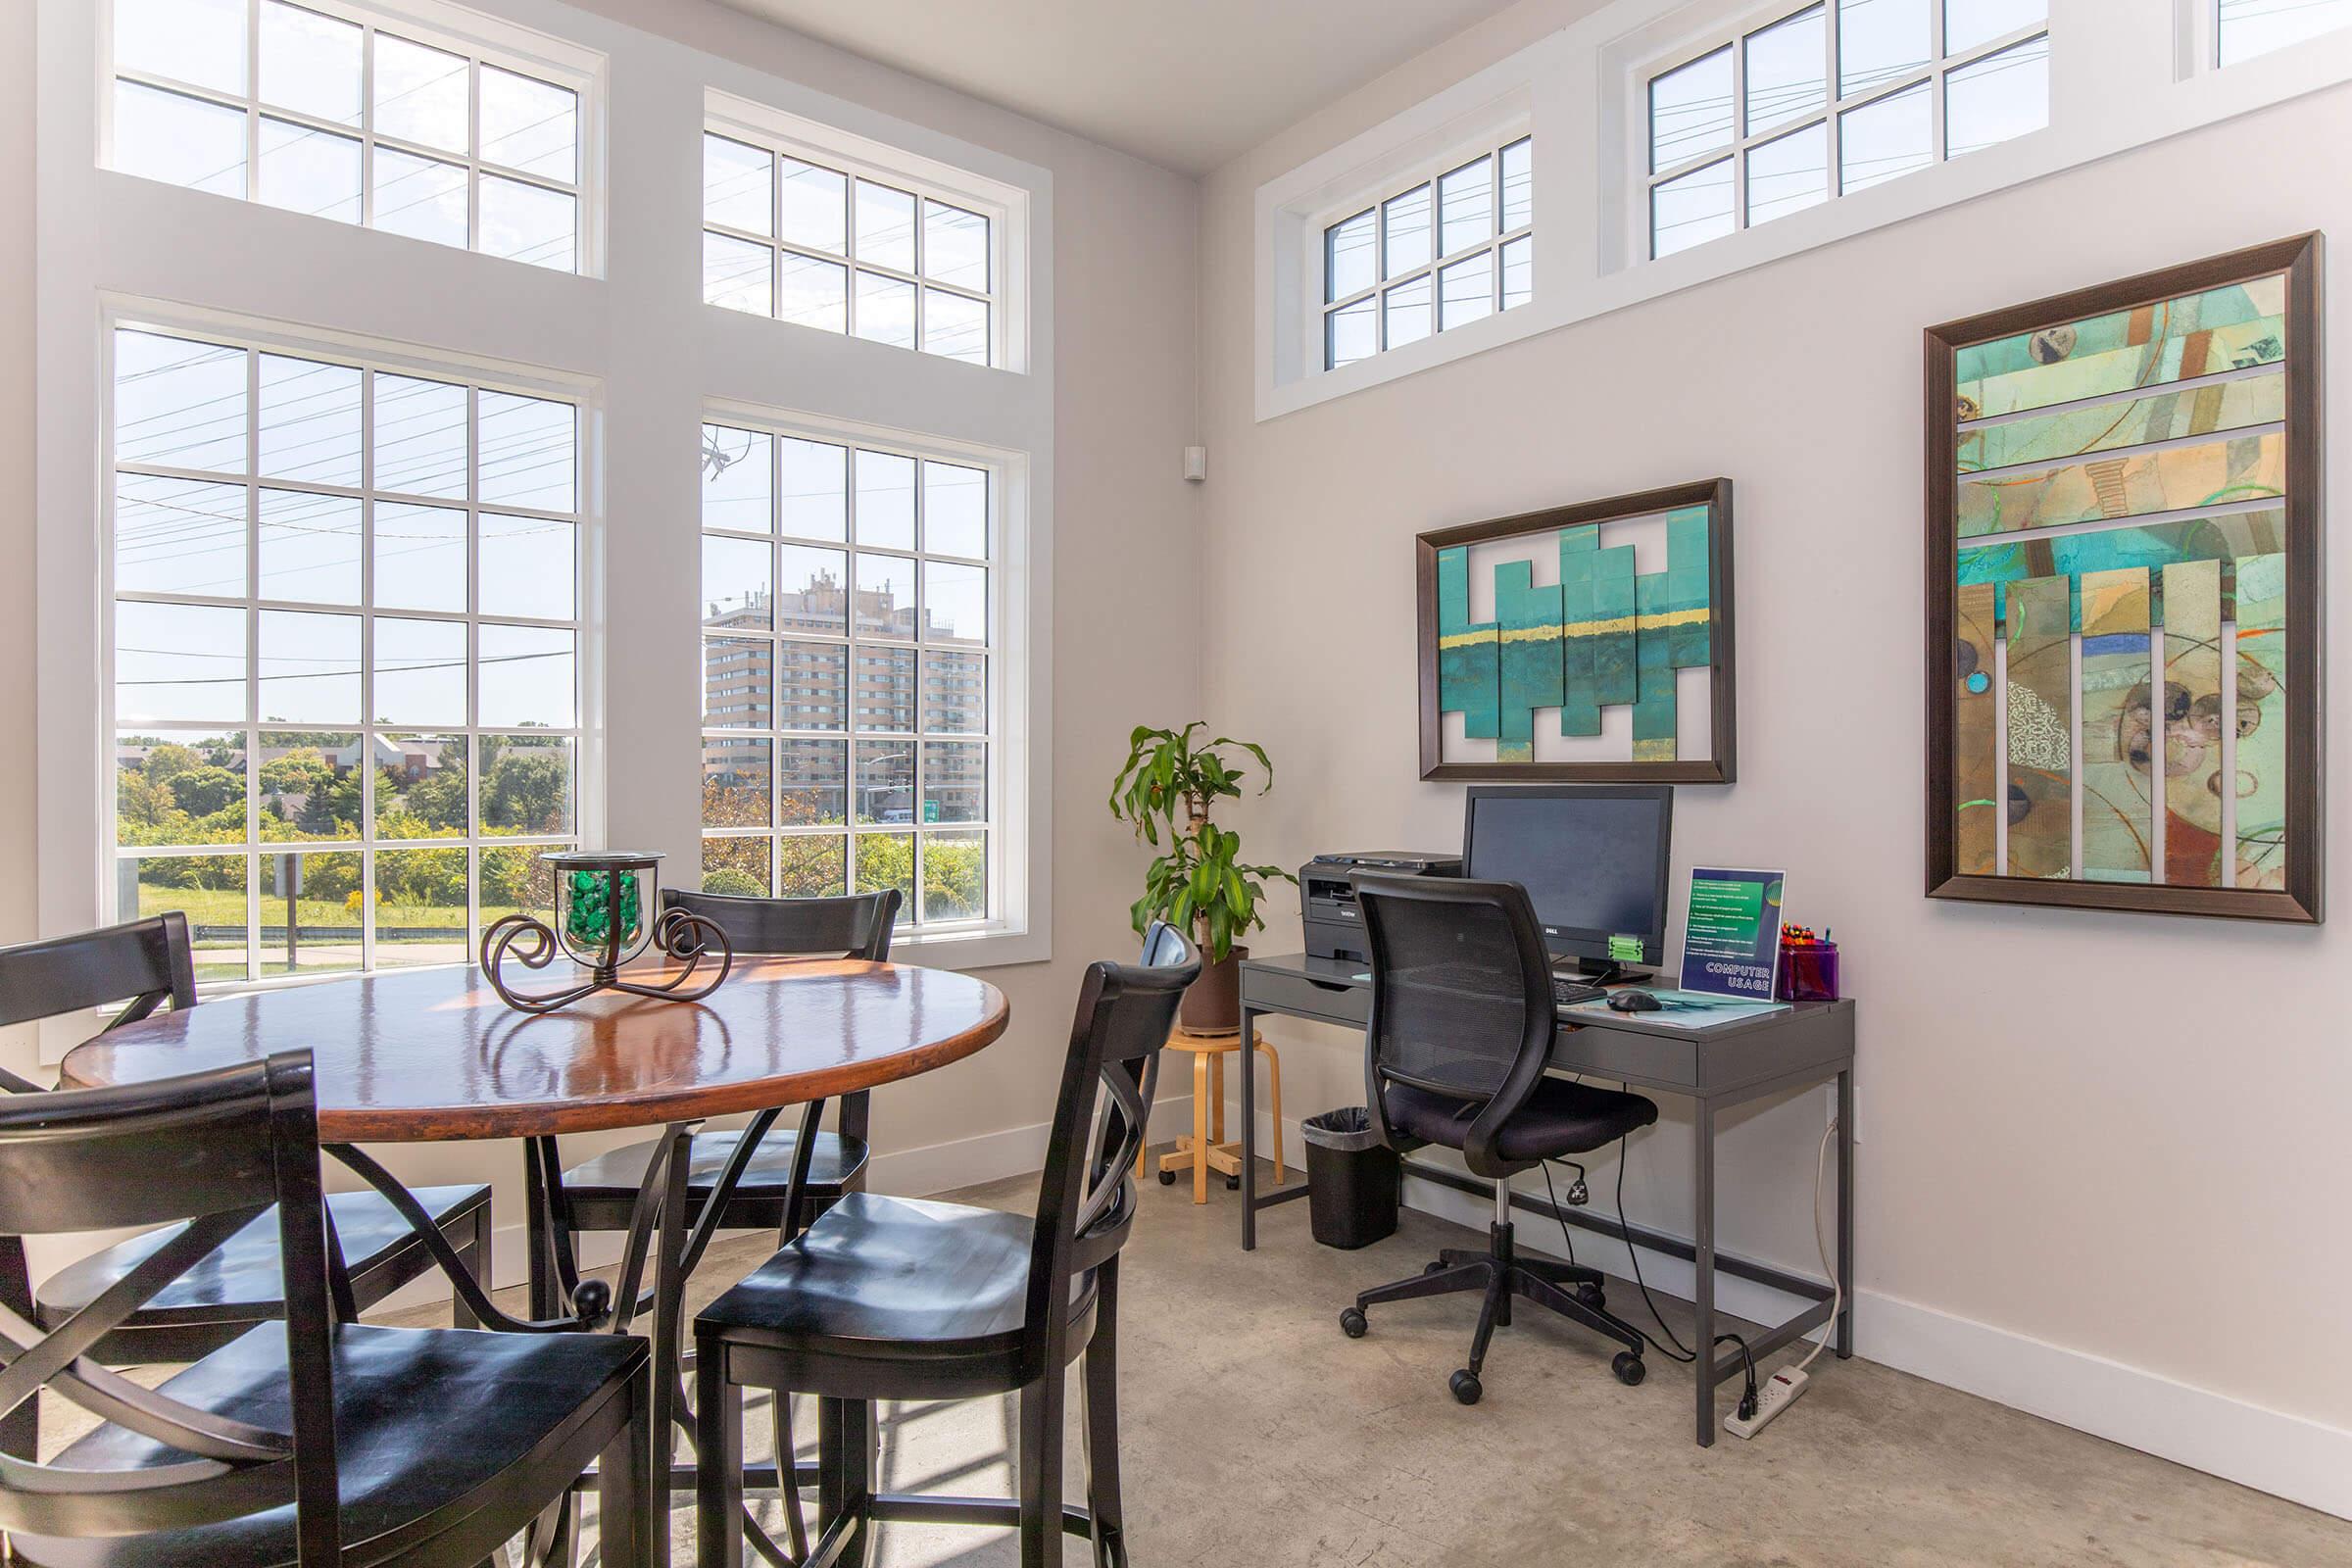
point(1590, 642)
point(2123, 594)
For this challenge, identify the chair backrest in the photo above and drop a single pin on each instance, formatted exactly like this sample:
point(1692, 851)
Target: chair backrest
point(1462, 994)
point(149, 961)
point(1086, 1204)
point(856, 926)
point(214, 1149)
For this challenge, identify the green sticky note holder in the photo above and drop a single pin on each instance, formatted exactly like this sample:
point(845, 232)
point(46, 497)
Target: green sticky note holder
point(1625, 949)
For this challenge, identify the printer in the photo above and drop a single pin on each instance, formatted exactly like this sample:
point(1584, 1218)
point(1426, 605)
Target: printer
point(1334, 927)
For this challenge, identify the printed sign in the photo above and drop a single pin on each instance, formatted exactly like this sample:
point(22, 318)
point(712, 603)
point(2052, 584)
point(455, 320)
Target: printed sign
point(1732, 935)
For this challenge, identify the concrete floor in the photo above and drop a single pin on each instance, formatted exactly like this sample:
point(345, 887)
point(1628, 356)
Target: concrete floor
point(1256, 1435)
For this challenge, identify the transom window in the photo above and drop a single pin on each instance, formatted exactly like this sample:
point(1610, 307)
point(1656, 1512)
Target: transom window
point(1435, 256)
point(345, 638)
point(1832, 99)
point(843, 253)
point(850, 693)
point(334, 116)
point(2245, 28)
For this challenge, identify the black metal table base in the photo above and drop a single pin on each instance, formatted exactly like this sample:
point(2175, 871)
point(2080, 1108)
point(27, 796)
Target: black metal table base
point(562, 1301)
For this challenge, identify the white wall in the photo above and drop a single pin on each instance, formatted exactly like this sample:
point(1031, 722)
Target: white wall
point(1105, 416)
point(17, 630)
point(2118, 1135)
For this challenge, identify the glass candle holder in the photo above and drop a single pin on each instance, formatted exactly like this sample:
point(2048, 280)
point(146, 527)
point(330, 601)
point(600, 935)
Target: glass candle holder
point(604, 901)
point(607, 913)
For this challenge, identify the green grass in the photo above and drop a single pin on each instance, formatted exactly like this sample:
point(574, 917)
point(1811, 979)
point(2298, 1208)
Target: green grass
point(226, 907)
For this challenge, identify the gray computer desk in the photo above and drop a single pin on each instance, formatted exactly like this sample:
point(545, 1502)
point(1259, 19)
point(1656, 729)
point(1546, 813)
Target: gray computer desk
point(1716, 1068)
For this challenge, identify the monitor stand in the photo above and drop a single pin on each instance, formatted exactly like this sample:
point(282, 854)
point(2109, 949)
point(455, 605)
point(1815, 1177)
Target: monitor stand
point(1595, 971)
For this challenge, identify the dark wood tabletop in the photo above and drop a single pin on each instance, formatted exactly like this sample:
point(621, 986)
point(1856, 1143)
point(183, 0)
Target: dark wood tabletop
point(433, 1054)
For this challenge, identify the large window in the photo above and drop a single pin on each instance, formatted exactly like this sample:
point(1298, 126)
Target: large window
point(822, 248)
point(1831, 99)
point(344, 695)
point(850, 684)
point(1436, 255)
point(2249, 27)
point(322, 110)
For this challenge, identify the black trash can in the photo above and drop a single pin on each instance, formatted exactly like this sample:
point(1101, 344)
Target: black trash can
point(1351, 1177)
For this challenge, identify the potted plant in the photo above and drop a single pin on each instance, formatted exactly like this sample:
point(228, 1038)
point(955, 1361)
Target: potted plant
point(1199, 883)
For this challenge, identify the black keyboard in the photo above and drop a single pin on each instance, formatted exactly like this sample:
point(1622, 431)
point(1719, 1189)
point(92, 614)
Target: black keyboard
point(1566, 993)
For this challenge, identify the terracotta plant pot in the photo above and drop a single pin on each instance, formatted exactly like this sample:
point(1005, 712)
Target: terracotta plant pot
point(1212, 1004)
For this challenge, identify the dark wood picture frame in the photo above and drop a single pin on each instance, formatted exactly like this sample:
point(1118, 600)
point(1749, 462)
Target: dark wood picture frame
point(1718, 766)
point(2299, 258)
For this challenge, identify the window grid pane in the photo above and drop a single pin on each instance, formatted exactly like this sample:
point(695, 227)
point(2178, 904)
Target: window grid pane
point(1440, 250)
point(2244, 29)
point(352, 122)
point(883, 261)
point(297, 658)
point(847, 624)
point(1764, 96)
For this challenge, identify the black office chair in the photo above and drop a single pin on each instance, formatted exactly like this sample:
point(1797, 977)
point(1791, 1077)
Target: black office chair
point(893, 1299)
point(1460, 1030)
point(149, 961)
point(601, 1194)
point(323, 1442)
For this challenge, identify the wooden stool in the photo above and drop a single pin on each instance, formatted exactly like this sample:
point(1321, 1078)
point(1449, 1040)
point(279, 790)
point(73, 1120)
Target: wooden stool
point(1207, 1146)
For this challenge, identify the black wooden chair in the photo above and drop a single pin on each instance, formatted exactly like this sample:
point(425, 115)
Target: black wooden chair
point(895, 1298)
point(315, 1441)
point(149, 961)
point(601, 1194)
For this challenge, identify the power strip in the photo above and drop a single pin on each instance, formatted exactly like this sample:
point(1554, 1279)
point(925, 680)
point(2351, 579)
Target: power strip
point(1778, 1393)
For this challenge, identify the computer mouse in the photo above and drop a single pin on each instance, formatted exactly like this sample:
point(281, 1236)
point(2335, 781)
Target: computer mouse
point(1632, 1001)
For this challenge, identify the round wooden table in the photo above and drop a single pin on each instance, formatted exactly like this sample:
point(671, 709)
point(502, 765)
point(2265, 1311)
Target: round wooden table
point(430, 1054)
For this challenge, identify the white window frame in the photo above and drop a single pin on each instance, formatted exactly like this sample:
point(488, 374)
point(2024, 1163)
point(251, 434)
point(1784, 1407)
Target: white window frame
point(1936, 73)
point(482, 39)
point(1005, 821)
point(2125, 73)
point(2200, 32)
point(1005, 207)
point(637, 341)
point(586, 734)
point(1013, 911)
point(1383, 283)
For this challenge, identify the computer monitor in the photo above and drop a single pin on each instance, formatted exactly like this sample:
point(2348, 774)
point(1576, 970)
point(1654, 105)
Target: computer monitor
point(1594, 859)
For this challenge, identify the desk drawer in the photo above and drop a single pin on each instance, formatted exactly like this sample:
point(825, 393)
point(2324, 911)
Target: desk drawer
point(1291, 993)
point(1624, 1055)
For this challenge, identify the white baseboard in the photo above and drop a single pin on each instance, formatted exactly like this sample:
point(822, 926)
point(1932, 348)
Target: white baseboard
point(2289, 1456)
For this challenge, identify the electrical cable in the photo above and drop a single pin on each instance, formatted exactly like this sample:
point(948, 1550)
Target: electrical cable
point(1559, 1213)
point(1678, 1352)
point(1821, 1241)
point(1747, 1397)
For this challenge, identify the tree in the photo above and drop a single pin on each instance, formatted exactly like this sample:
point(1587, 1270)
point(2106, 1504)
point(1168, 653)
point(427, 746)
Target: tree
point(203, 790)
point(737, 884)
point(527, 791)
point(140, 805)
point(299, 772)
point(166, 759)
point(439, 798)
point(332, 811)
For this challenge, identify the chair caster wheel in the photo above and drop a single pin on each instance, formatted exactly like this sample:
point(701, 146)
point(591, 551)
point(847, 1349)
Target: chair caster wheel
point(1233, 1184)
point(1352, 1324)
point(1167, 1178)
point(1439, 1267)
point(1628, 1367)
point(1465, 1386)
point(1593, 1296)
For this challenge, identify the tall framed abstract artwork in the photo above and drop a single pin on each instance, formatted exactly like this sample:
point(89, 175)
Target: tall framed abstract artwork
point(1590, 642)
point(2123, 594)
